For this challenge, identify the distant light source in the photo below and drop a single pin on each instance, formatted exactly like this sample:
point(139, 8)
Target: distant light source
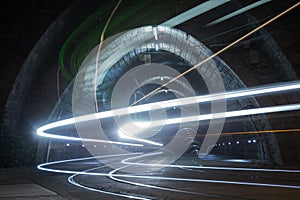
point(237, 142)
point(249, 141)
point(254, 141)
point(123, 135)
point(68, 145)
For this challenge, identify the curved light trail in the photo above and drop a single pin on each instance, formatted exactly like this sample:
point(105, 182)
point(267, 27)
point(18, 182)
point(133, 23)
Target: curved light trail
point(72, 181)
point(112, 175)
point(271, 89)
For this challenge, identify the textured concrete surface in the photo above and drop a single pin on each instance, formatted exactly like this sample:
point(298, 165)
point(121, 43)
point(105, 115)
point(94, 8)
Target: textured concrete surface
point(30, 183)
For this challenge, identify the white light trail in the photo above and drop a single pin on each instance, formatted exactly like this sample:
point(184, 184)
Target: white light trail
point(111, 175)
point(213, 181)
point(127, 161)
point(230, 114)
point(238, 12)
point(286, 87)
point(73, 182)
point(198, 10)
point(41, 132)
point(87, 172)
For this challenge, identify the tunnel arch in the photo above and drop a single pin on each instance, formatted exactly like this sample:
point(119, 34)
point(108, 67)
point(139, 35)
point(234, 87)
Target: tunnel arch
point(268, 145)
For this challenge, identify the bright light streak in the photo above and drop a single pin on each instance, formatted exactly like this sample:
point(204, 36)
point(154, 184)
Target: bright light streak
point(42, 167)
point(198, 10)
point(286, 87)
point(238, 160)
point(126, 161)
point(215, 181)
point(210, 181)
point(41, 132)
point(238, 113)
point(238, 12)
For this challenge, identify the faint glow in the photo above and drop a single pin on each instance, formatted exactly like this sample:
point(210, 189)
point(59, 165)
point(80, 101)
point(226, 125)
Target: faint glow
point(142, 124)
point(95, 145)
point(126, 136)
point(229, 143)
point(223, 144)
point(249, 141)
point(237, 142)
point(156, 47)
point(68, 145)
point(83, 145)
point(148, 29)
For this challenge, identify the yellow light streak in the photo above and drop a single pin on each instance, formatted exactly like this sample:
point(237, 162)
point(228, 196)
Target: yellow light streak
point(98, 53)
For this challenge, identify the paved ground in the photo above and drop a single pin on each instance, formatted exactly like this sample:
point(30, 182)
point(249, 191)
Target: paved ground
point(30, 183)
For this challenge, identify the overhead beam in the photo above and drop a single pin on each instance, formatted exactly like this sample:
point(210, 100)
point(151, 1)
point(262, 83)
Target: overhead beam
point(238, 12)
point(198, 10)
